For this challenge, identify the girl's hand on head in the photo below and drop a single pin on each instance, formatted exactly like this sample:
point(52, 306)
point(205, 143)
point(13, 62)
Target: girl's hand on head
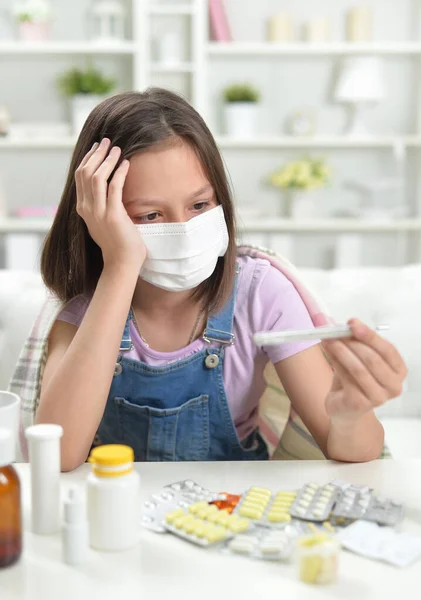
point(100, 204)
point(369, 371)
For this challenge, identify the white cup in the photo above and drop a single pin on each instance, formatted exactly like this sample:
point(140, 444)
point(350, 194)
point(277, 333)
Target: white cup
point(9, 414)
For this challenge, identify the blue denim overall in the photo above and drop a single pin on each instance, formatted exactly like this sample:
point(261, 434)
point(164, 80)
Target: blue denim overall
point(178, 411)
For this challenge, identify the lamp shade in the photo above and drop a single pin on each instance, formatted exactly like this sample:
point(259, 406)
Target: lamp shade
point(361, 79)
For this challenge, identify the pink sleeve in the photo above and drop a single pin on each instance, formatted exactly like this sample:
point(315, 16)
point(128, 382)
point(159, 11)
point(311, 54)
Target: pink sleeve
point(277, 306)
point(74, 311)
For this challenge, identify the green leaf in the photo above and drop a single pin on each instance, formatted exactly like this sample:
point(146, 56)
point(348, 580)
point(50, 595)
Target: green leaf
point(87, 81)
point(241, 93)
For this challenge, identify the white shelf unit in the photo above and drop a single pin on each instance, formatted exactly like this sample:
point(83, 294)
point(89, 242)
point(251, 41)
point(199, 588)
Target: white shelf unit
point(224, 49)
point(204, 56)
point(66, 48)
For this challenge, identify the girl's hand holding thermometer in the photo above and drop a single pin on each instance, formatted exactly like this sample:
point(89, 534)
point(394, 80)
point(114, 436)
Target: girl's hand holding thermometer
point(327, 332)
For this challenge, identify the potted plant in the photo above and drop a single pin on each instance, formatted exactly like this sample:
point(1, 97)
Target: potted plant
point(299, 179)
point(241, 110)
point(33, 18)
point(86, 88)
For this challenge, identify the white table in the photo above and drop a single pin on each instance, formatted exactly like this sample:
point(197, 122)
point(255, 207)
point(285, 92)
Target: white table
point(164, 567)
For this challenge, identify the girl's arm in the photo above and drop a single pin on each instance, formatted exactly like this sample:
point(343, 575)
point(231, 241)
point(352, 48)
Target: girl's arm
point(80, 365)
point(80, 362)
point(337, 407)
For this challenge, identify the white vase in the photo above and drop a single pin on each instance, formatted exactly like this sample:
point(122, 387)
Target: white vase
point(81, 106)
point(241, 119)
point(302, 204)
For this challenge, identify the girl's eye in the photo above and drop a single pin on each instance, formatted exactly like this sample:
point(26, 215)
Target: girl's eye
point(200, 205)
point(148, 218)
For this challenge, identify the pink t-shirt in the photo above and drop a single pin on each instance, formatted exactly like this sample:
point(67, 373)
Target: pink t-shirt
point(266, 301)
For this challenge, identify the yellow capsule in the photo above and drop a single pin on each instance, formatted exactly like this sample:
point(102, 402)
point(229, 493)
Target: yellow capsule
point(213, 517)
point(329, 527)
point(194, 508)
point(174, 514)
point(310, 568)
point(254, 506)
point(286, 503)
point(256, 499)
point(212, 509)
point(179, 522)
point(313, 528)
point(239, 525)
point(189, 525)
point(199, 529)
point(222, 518)
point(279, 517)
point(260, 490)
point(251, 513)
point(291, 495)
point(215, 533)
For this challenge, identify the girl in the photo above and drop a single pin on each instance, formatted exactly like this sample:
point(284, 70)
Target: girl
point(152, 346)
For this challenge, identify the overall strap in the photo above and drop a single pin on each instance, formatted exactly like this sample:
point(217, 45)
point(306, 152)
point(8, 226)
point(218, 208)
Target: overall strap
point(220, 327)
point(126, 341)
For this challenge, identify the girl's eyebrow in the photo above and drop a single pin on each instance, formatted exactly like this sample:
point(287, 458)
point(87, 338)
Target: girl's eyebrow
point(150, 201)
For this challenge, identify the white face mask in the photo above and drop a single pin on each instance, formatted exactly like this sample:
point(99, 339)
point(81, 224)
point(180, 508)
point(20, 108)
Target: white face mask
point(180, 256)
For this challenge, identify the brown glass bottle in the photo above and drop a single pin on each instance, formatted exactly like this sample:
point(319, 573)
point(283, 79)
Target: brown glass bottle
point(10, 516)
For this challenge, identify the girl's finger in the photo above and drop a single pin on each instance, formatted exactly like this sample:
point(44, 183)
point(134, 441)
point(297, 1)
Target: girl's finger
point(99, 181)
point(115, 187)
point(382, 346)
point(78, 174)
point(91, 165)
point(382, 372)
point(352, 370)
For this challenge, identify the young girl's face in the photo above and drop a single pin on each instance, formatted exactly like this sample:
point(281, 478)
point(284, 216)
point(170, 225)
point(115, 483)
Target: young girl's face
point(167, 185)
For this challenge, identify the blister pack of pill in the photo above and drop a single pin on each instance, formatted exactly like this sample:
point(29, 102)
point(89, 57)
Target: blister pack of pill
point(175, 495)
point(314, 502)
point(351, 504)
point(359, 503)
point(263, 544)
point(204, 524)
point(384, 511)
point(265, 508)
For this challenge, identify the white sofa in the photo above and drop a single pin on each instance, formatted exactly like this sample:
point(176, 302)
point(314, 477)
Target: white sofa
point(377, 295)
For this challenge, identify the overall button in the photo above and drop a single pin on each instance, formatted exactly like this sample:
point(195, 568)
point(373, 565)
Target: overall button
point(212, 361)
point(118, 369)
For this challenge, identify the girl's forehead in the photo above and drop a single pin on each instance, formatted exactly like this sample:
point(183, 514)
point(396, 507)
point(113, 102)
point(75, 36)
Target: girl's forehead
point(173, 165)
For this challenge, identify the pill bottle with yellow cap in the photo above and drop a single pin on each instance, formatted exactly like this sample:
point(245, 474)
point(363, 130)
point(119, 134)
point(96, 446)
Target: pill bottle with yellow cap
point(113, 491)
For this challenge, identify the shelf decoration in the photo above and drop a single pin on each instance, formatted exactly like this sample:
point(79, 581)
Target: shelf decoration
point(107, 21)
point(299, 180)
point(302, 123)
point(85, 88)
point(241, 110)
point(34, 20)
point(317, 31)
point(361, 83)
point(219, 26)
point(359, 24)
point(280, 28)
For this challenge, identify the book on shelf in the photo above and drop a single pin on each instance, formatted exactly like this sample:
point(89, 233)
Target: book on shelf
point(219, 26)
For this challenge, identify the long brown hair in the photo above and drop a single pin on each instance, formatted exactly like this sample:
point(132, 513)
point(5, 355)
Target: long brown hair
point(71, 261)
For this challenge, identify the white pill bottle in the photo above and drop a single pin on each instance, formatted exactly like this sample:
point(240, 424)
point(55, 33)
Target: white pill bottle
point(113, 491)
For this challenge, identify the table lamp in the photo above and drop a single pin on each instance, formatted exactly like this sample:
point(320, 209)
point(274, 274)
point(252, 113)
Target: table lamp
point(360, 84)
